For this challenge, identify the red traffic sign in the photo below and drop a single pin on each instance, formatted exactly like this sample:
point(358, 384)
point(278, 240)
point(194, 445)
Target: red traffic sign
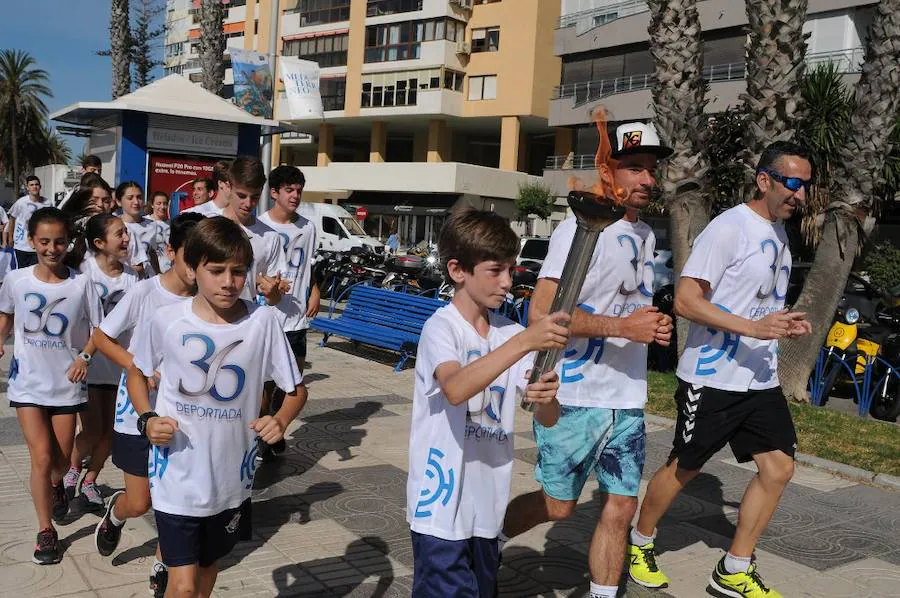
point(362, 213)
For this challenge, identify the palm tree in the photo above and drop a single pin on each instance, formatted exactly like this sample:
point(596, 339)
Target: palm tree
point(22, 88)
point(58, 151)
point(120, 47)
point(776, 46)
point(857, 178)
point(212, 44)
point(679, 99)
point(823, 132)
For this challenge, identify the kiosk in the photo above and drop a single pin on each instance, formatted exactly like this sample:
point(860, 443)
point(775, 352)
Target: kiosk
point(165, 135)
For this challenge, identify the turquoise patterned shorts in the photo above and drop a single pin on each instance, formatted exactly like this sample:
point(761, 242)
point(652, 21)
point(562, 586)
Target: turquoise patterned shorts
point(608, 442)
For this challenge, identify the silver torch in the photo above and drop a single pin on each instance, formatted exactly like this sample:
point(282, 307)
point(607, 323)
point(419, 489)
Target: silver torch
point(593, 213)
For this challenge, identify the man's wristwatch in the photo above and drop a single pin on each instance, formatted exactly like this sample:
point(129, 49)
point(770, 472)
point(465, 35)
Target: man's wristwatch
point(142, 421)
point(85, 357)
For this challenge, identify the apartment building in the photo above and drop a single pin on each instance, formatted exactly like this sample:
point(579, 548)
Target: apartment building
point(603, 46)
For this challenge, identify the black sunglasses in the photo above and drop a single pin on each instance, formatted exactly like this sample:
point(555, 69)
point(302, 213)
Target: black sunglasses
point(791, 183)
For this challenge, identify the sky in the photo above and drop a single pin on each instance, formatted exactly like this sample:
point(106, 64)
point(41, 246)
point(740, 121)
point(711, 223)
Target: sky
point(63, 36)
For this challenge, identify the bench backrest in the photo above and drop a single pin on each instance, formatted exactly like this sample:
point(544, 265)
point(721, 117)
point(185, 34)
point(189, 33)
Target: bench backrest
point(391, 309)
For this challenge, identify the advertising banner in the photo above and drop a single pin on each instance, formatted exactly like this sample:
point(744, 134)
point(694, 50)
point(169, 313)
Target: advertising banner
point(174, 176)
point(301, 85)
point(252, 81)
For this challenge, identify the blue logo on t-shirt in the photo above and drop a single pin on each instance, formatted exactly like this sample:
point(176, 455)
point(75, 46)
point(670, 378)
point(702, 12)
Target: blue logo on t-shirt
point(210, 364)
point(777, 271)
point(638, 283)
point(248, 466)
point(592, 352)
point(727, 348)
point(159, 462)
point(446, 481)
point(49, 322)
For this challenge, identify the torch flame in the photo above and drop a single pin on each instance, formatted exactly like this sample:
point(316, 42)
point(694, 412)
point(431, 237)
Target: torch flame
point(604, 162)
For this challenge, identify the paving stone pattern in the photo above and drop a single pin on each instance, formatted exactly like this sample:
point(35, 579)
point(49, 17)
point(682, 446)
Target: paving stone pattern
point(329, 518)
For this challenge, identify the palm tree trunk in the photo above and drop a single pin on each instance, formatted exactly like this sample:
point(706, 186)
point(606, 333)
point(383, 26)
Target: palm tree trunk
point(776, 47)
point(14, 139)
point(857, 177)
point(120, 48)
point(679, 99)
point(212, 45)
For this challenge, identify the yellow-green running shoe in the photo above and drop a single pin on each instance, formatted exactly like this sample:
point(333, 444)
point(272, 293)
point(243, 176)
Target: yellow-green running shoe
point(746, 584)
point(642, 567)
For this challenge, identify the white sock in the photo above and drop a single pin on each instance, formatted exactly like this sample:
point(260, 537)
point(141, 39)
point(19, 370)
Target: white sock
point(157, 566)
point(115, 520)
point(598, 591)
point(639, 539)
point(736, 564)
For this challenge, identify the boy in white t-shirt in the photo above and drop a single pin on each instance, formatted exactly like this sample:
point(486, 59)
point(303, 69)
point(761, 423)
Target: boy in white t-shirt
point(213, 355)
point(732, 289)
point(130, 449)
point(221, 181)
point(16, 232)
point(264, 278)
point(471, 370)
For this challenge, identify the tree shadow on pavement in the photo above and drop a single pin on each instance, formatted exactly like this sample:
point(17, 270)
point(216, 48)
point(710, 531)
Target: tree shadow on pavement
point(362, 560)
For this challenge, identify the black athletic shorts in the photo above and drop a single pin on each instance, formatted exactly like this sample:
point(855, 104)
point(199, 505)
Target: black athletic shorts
point(53, 410)
point(106, 387)
point(297, 340)
point(187, 540)
point(131, 453)
point(25, 259)
point(752, 422)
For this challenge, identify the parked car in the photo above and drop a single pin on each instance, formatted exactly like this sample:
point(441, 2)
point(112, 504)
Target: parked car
point(863, 295)
point(532, 252)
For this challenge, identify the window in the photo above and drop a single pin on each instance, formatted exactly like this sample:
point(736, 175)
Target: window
point(486, 40)
point(483, 87)
point(317, 12)
point(333, 93)
point(402, 88)
point(330, 226)
point(328, 50)
point(376, 8)
point(176, 49)
point(401, 41)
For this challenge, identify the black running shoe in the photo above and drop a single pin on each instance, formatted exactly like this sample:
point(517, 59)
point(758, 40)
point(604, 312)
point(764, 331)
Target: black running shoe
point(159, 578)
point(46, 549)
point(107, 535)
point(279, 447)
point(60, 503)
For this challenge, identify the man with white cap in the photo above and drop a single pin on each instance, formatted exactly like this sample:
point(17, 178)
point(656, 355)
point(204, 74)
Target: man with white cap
point(732, 289)
point(603, 372)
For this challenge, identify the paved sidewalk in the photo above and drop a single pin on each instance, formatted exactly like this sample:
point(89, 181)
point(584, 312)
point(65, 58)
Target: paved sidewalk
point(329, 518)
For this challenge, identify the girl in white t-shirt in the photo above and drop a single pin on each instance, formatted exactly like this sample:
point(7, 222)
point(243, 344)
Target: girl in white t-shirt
point(130, 198)
point(158, 212)
point(52, 309)
point(108, 237)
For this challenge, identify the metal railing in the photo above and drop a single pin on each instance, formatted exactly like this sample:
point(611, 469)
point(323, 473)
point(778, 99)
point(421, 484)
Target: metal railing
point(847, 61)
point(586, 20)
point(579, 162)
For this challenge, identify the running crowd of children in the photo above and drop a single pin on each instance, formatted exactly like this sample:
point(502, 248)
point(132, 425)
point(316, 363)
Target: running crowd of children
point(179, 347)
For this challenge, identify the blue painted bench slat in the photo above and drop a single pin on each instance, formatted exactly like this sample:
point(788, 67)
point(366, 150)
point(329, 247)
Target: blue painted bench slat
point(381, 318)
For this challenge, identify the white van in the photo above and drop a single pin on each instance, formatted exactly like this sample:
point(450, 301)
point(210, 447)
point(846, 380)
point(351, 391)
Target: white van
point(337, 229)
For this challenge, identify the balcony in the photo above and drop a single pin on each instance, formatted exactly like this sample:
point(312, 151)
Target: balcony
point(847, 61)
point(579, 162)
point(586, 20)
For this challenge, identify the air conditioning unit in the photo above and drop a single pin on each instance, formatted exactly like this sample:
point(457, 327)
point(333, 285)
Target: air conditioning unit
point(463, 47)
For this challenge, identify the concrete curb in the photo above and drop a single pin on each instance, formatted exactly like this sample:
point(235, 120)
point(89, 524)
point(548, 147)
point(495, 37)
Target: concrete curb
point(847, 471)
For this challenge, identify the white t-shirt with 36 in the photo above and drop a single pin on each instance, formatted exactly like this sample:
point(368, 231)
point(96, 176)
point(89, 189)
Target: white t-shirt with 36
point(22, 211)
point(147, 239)
point(747, 263)
point(606, 372)
point(53, 323)
point(127, 320)
point(211, 382)
point(461, 457)
point(162, 245)
point(298, 240)
point(268, 257)
point(111, 291)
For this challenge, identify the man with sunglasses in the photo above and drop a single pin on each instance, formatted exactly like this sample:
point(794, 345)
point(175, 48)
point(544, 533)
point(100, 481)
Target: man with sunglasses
point(732, 290)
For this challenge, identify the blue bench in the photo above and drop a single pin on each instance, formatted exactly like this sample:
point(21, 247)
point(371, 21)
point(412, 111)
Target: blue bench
point(380, 318)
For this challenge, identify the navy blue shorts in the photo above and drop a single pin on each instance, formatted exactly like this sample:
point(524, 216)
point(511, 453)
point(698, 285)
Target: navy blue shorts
point(297, 340)
point(187, 540)
point(52, 410)
point(131, 453)
point(458, 568)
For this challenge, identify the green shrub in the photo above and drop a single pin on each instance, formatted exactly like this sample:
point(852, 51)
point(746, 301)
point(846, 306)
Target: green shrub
point(883, 266)
point(534, 198)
